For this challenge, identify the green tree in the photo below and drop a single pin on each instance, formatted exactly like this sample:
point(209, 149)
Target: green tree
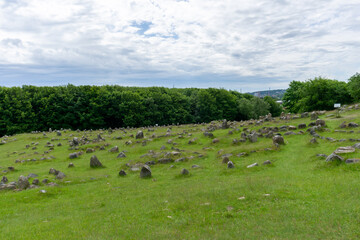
point(354, 86)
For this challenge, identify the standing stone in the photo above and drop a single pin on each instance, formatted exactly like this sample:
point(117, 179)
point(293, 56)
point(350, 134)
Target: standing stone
point(23, 183)
point(313, 141)
point(139, 135)
point(75, 141)
point(145, 172)
point(252, 137)
point(58, 133)
point(313, 116)
point(94, 162)
point(278, 139)
point(230, 164)
point(224, 124)
point(184, 172)
point(122, 173)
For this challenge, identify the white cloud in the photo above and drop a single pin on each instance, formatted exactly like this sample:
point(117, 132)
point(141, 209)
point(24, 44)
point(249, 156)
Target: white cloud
point(167, 38)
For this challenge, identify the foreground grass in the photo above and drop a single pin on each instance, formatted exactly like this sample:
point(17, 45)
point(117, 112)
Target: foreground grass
point(299, 196)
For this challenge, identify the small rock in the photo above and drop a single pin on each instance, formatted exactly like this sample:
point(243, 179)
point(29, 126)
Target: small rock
point(45, 181)
point(253, 165)
point(121, 155)
point(195, 166)
point(230, 164)
point(32, 175)
point(35, 181)
point(184, 172)
point(122, 173)
point(60, 175)
point(71, 165)
point(313, 141)
point(267, 162)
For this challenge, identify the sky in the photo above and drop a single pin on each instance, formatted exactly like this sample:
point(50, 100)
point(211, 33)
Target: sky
point(242, 45)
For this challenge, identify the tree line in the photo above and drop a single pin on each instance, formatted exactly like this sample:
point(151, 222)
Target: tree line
point(30, 108)
point(321, 94)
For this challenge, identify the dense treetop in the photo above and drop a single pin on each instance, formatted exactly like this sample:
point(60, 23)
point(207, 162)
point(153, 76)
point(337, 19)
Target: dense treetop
point(30, 108)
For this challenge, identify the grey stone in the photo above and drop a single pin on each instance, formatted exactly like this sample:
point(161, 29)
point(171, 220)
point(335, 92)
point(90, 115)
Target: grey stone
point(352, 160)
point(23, 182)
point(53, 171)
point(180, 159)
point(45, 181)
point(145, 172)
point(4, 179)
point(320, 122)
point(333, 157)
point(71, 165)
point(353, 125)
point(322, 155)
point(35, 181)
point(302, 125)
point(32, 175)
point(184, 172)
point(230, 164)
point(342, 150)
point(253, 165)
point(90, 150)
point(165, 160)
point(267, 162)
point(94, 162)
point(225, 160)
point(121, 155)
point(60, 175)
point(252, 137)
point(139, 135)
point(114, 149)
point(313, 141)
point(277, 139)
point(73, 155)
point(195, 166)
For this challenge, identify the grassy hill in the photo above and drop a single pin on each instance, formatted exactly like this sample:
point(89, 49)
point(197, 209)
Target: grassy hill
point(298, 196)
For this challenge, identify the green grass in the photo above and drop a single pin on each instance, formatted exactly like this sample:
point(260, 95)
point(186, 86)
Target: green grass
point(299, 196)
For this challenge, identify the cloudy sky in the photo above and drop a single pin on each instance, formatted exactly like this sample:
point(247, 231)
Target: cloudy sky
point(235, 44)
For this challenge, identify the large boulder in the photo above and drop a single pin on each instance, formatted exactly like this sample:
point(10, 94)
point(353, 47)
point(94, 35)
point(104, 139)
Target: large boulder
point(94, 162)
point(145, 172)
point(139, 135)
point(278, 139)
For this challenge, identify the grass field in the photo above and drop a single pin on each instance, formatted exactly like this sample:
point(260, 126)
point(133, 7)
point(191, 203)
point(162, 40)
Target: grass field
point(298, 196)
